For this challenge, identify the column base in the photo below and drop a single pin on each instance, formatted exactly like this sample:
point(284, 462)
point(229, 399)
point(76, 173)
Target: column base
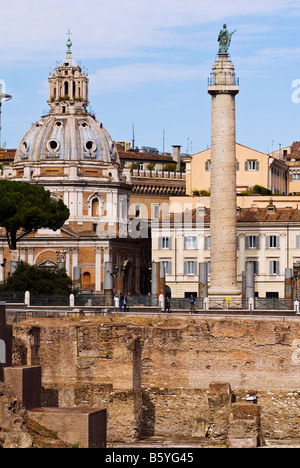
point(224, 292)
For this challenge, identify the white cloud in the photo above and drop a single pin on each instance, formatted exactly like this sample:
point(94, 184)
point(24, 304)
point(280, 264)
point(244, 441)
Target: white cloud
point(128, 77)
point(266, 62)
point(114, 28)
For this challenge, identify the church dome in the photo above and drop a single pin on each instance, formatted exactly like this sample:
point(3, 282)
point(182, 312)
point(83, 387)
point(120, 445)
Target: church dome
point(67, 138)
point(69, 132)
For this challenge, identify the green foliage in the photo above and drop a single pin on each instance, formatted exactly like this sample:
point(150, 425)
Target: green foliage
point(257, 189)
point(170, 167)
point(150, 167)
point(201, 193)
point(25, 208)
point(39, 280)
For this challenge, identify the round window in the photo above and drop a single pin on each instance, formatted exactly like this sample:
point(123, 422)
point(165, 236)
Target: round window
point(90, 146)
point(53, 145)
point(58, 124)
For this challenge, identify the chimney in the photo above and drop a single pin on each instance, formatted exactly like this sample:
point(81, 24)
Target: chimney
point(176, 156)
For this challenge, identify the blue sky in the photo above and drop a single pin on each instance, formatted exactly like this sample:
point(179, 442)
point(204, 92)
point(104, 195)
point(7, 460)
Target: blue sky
point(148, 65)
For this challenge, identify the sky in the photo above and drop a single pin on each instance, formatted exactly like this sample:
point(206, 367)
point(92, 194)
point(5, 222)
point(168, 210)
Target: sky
point(148, 65)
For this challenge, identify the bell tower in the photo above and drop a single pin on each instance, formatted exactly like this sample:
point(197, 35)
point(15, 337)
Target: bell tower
point(68, 86)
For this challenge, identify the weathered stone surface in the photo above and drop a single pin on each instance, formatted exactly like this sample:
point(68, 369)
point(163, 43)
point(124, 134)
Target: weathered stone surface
point(13, 418)
point(85, 428)
point(244, 426)
point(154, 374)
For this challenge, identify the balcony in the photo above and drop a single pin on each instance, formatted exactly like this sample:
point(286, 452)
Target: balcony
point(223, 79)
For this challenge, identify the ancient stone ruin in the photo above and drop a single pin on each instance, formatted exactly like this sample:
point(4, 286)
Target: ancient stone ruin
point(20, 406)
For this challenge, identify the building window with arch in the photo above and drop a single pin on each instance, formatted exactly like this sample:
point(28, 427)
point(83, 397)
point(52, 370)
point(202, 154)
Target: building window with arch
point(66, 88)
point(86, 280)
point(95, 206)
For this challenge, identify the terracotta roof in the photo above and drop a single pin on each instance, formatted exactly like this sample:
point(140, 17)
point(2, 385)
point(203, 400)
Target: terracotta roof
point(145, 156)
point(246, 215)
point(264, 215)
point(7, 154)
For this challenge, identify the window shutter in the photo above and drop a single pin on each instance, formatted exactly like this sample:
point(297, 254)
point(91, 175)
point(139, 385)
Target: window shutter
point(268, 242)
point(247, 242)
point(195, 268)
point(271, 267)
point(246, 166)
point(170, 243)
point(168, 268)
point(277, 268)
point(207, 243)
point(159, 243)
point(298, 242)
point(185, 268)
point(185, 243)
point(256, 242)
point(278, 242)
point(257, 165)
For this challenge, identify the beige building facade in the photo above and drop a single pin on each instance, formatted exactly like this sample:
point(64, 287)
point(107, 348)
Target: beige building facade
point(269, 237)
point(252, 168)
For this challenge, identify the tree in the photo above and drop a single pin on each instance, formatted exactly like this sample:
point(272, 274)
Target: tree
point(39, 280)
point(257, 189)
point(25, 208)
point(170, 167)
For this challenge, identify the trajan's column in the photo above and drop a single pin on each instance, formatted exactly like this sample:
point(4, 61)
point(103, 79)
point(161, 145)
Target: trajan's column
point(223, 87)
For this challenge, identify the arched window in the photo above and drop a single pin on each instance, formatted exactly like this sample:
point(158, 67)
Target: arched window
point(66, 88)
point(95, 207)
point(86, 280)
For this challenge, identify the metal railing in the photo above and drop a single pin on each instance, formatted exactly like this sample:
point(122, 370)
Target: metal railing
point(274, 304)
point(228, 304)
point(227, 79)
point(51, 306)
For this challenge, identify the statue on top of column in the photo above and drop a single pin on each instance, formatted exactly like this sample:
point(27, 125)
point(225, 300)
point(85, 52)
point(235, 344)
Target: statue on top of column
point(224, 40)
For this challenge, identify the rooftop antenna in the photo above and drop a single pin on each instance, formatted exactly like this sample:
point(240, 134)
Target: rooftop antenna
point(188, 146)
point(164, 141)
point(133, 137)
point(3, 98)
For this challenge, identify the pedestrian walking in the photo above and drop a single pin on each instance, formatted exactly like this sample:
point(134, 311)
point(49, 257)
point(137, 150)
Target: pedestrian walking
point(192, 304)
point(167, 305)
point(126, 309)
point(121, 302)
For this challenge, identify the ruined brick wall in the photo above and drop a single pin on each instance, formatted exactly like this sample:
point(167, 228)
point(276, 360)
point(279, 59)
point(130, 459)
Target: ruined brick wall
point(153, 374)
